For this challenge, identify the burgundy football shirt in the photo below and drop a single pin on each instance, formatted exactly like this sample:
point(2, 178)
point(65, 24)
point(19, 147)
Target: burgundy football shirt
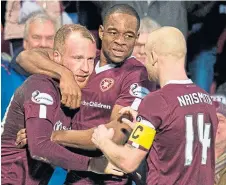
point(36, 106)
point(183, 149)
point(125, 85)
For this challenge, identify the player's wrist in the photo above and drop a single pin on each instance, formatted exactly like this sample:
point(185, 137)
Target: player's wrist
point(103, 142)
point(54, 137)
point(64, 73)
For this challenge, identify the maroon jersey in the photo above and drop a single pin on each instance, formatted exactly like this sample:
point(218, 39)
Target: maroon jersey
point(184, 117)
point(110, 85)
point(36, 106)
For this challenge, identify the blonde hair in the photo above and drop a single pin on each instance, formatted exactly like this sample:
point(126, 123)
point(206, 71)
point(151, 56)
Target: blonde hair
point(41, 17)
point(66, 30)
point(147, 25)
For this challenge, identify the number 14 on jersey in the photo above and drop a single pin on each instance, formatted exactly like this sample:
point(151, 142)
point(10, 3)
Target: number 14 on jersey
point(204, 138)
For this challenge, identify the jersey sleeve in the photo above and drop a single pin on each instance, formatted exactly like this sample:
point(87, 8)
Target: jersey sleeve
point(40, 98)
point(41, 148)
point(135, 87)
point(151, 115)
point(153, 110)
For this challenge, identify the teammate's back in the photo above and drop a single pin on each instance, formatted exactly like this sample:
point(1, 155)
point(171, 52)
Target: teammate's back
point(183, 151)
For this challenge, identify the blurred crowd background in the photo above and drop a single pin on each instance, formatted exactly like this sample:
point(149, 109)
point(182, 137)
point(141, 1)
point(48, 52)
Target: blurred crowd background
point(32, 24)
point(203, 23)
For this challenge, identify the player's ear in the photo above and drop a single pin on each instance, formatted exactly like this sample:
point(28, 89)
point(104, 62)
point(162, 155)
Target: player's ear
point(57, 57)
point(154, 57)
point(101, 31)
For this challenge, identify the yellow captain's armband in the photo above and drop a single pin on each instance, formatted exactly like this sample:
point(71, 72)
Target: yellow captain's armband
point(142, 136)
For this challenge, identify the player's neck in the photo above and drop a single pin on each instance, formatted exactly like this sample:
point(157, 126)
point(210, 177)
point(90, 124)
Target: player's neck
point(103, 60)
point(172, 73)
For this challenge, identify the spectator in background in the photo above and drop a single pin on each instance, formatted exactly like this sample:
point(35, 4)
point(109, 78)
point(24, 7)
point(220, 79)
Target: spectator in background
point(220, 95)
point(39, 33)
point(220, 66)
point(220, 146)
point(4, 44)
point(202, 48)
point(147, 25)
point(166, 13)
point(19, 11)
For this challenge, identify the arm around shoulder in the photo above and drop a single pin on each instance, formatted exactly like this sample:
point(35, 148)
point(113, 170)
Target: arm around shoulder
point(40, 61)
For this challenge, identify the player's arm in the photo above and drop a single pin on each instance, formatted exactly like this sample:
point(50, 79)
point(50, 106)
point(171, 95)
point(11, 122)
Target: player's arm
point(118, 156)
point(75, 138)
point(134, 87)
point(41, 148)
point(152, 110)
point(40, 61)
point(137, 147)
point(41, 103)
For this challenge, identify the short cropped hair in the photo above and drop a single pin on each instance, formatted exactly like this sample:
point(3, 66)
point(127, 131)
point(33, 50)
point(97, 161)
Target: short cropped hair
point(38, 16)
point(148, 25)
point(121, 8)
point(63, 33)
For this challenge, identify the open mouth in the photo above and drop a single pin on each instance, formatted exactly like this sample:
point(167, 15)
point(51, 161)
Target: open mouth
point(118, 52)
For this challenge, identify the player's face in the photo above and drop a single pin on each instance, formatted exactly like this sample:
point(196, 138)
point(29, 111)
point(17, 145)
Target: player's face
point(118, 37)
point(40, 35)
point(139, 47)
point(78, 56)
point(221, 131)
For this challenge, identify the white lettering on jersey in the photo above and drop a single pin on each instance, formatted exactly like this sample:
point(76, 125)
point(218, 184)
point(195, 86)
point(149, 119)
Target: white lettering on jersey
point(194, 98)
point(41, 98)
point(59, 126)
point(204, 138)
point(95, 104)
point(138, 91)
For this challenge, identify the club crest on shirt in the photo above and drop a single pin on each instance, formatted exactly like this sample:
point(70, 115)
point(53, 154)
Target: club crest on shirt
point(41, 98)
point(138, 91)
point(106, 84)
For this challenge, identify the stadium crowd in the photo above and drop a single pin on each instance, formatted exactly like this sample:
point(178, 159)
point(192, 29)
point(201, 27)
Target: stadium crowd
point(113, 92)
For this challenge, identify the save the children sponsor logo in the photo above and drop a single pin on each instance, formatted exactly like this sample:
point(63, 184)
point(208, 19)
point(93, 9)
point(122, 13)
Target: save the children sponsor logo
point(95, 104)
